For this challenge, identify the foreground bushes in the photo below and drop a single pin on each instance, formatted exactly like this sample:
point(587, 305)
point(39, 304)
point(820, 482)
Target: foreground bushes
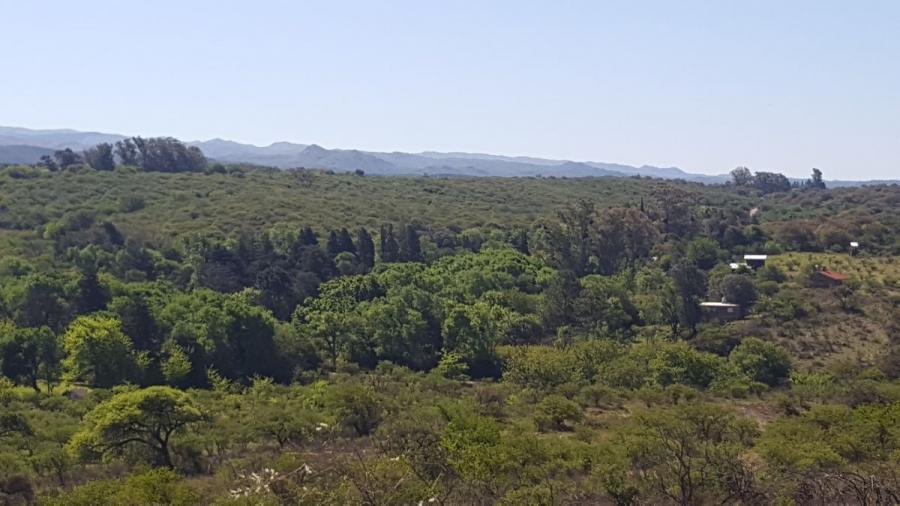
point(398, 437)
point(656, 362)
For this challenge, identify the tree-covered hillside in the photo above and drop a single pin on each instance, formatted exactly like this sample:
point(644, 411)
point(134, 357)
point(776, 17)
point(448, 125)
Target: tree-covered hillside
point(240, 335)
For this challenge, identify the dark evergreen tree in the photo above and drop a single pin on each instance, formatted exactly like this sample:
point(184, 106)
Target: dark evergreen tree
point(257, 253)
point(365, 249)
point(316, 261)
point(100, 157)
point(66, 158)
point(307, 237)
point(410, 248)
point(49, 162)
point(690, 286)
point(346, 241)
point(339, 241)
point(134, 259)
point(390, 250)
point(138, 322)
point(222, 270)
point(43, 302)
point(520, 241)
point(92, 296)
point(277, 291)
point(815, 180)
point(558, 306)
point(127, 151)
point(333, 246)
point(113, 236)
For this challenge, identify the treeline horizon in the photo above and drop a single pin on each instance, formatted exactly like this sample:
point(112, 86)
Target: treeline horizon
point(168, 154)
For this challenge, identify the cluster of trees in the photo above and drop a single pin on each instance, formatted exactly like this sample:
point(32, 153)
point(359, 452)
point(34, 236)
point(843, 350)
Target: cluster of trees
point(160, 154)
point(773, 182)
point(155, 154)
point(765, 182)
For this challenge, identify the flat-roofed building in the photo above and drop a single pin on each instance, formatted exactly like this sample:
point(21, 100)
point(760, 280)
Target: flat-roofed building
point(721, 311)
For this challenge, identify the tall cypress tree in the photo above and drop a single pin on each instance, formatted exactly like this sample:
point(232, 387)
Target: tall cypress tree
point(334, 244)
point(92, 296)
point(690, 286)
point(138, 322)
point(365, 249)
point(520, 241)
point(410, 248)
point(390, 250)
point(346, 241)
point(307, 237)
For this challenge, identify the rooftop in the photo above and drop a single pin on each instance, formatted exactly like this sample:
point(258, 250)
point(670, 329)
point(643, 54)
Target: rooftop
point(718, 304)
point(836, 276)
point(755, 257)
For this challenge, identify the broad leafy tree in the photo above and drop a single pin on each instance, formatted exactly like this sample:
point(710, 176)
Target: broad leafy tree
point(28, 355)
point(99, 353)
point(100, 157)
point(691, 454)
point(147, 419)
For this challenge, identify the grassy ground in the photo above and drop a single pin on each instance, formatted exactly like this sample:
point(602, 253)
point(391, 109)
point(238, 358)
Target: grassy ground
point(832, 333)
point(866, 269)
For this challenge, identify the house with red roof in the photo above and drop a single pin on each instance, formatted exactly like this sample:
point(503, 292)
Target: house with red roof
point(825, 278)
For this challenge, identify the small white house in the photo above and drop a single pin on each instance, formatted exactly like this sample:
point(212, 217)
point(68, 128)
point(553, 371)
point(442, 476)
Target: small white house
point(755, 261)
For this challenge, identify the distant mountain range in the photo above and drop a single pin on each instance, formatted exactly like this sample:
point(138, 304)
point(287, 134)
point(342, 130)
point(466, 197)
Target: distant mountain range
point(22, 145)
point(287, 155)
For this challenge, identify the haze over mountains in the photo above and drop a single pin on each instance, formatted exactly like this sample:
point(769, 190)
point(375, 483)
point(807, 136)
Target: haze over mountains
point(22, 145)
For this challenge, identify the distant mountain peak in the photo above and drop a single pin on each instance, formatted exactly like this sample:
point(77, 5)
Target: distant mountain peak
point(286, 144)
point(314, 148)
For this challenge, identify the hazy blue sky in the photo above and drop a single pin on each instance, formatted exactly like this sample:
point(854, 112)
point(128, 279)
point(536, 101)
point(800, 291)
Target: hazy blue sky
point(706, 86)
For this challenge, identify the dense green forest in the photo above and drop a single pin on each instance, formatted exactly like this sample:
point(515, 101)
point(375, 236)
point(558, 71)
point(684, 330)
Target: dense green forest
point(177, 331)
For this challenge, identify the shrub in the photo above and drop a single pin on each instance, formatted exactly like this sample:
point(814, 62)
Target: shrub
point(16, 489)
point(737, 386)
point(452, 366)
point(539, 367)
point(679, 363)
point(158, 486)
point(666, 445)
point(718, 339)
point(599, 396)
point(786, 305)
point(356, 407)
point(556, 412)
point(131, 203)
point(762, 361)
